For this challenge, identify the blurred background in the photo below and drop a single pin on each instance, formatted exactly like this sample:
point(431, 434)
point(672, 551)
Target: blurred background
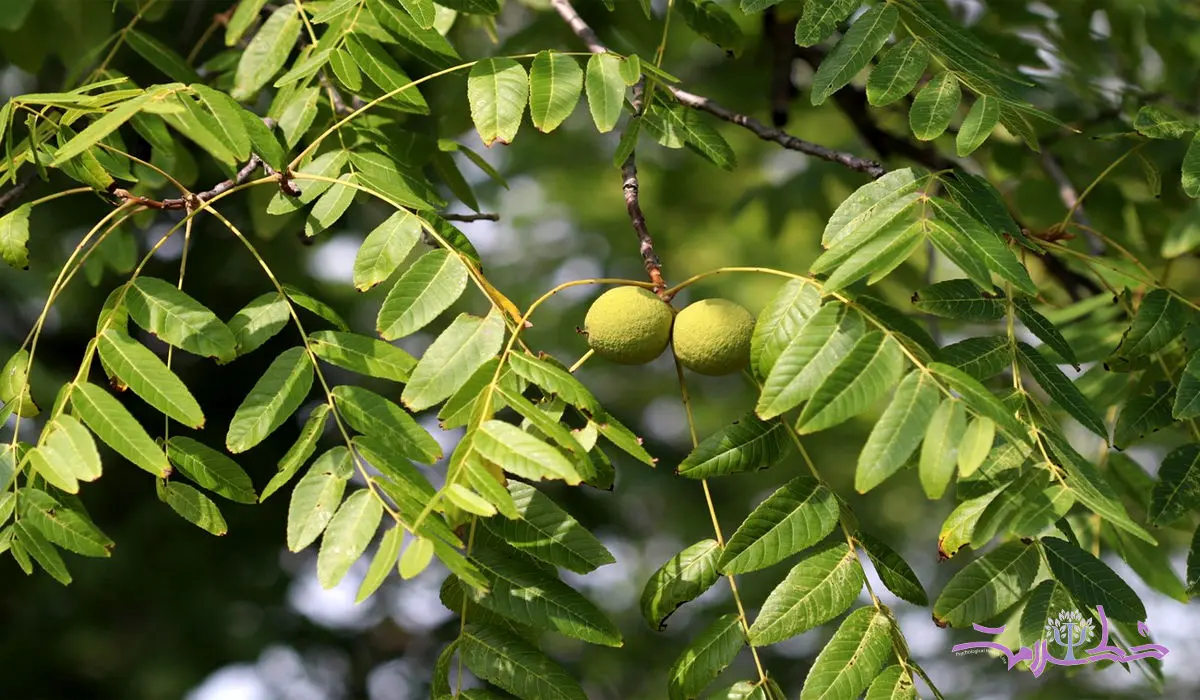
point(177, 613)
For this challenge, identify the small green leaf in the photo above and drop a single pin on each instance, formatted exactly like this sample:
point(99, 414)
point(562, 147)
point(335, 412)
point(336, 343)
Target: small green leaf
point(345, 69)
point(895, 573)
point(416, 557)
point(812, 355)
point(985, 244)
point(244, 16)
point(1144, 414)
point(871, 368)
point(386, 558)
point(227, 115)
point(780, 321)
point(259, 321)
point(862, 41)
point(97, 130)
point(819, 19)
point(815, 591)
point(14, 237)
point(1191, 168)
point(987, 586)
point(798, 515)
point(547, 532)
point(63, 526)
point(65, 441)
point(975, 445)
point(980, 400)
point(1187, 397)
point(1062, 390)
point(844, 668)
point(1044, 329)
point(318, 307)
point(746, 444)
point(1091, 581)
point(42, 552)
point(681, 579)
point(423, 292)
point(385, 247)
point(386, 73)
point(453, 357)
point(330, 206)
point(898, 432)
point(266, 53)
point(194, 507)
point(510, 662)
point(939, 453)
point(316, 497)
point(141, 370)
point(605, 90)
point(981, 358)
point(713, 22)
point(300, 450)
point(518, 452)
point(959, 299)
point(375, 416)
point(1091, 488)
point(275, 396)
point(114, 425)
point(211, 469)
point(497, 90)
point(1155, 123)
point(358, 353)
point(1160, 318)
point(553, 380)
point(893, 683)
point(934, 107)
point(347, 536)
point(555, 81)
point(178, 319)
point(1177, 490)
point(706, 656)
point(870, 202)
point(981, 119)
point(898, 71)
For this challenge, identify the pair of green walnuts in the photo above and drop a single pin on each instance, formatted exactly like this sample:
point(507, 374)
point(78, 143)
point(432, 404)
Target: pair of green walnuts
point(632, 326)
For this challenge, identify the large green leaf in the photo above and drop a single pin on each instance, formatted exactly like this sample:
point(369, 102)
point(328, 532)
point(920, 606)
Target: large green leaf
point(375, 416)
point(981, 119)
point(555, 81)
point(864, 38)
point(861, 249)
point(1160, 318)
point(63, 526)
point(1062, 390)
point(852, 658)
point(35, 545)
point(746, 444)
point(984, 243)
point(815, 591)
point(114, 425)
point(798, 515)
point(780, 320)
point(358, 353)
point(347, 536)
point(1177, 490)
point(316, 497)
point(895, 573)
point(179, 320)
point(1091, 488)
point(898, 71)
point(819, 19)
point(1091, 581)
point(939, 453)
point(866, 204)
point(522, 589)
point(554, 380)
point(872, 367)
point(275, 396)
point(959, 299)
point(211, 469)
point(141, 370)
point(512, 663)
point(259, 321)
point(934, 106)
point(266, 53)
point(813, 353)
point(386, 73)
point(682, 578)
point(605, 90)
point(518, 452)
point(497, 90)
point(981, 358)
point(461, 349)
point(706, 656)
point(980, 400)
point(1144, 414)
point(385, 247)
point(1044, 329)
point(194, 507)
point(548, 532)
point(394, 182)
point(987, 586)
point(423, 292)
point(879, 256)
point(898, 432)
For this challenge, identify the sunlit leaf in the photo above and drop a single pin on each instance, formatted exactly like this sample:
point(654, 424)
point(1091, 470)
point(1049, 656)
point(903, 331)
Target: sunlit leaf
point(682, 578)
point(852, 658)
point(508, 661)
point(194, 507)
point(815, 591)
point(746, 444)
point(114, 425)
point(316, 497)
point(300, 451)
point(358, 353)
point(385, 247)
point(548, 532)
point(275, 396)
point(798, 515)
point(141, 370)
point(211, 469)
point(981, 119)
point(1062, 390)
point(898, 71)
point(813, 353)
point(373, 415)
point(898, 432)
point(447, 364)
point(63, 526)
point(422, 293)
point(988, 586)
point(347, 536)
point(259, 321)
point(871, 368)
point(861, 42)
point(179, 320)
point(780, 320)
point(605, 90)
point(266, 53)
point(934, 107)
point(497, 90)
point(706, 656)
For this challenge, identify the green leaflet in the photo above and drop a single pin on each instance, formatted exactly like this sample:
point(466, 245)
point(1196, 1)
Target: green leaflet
point(682, 578)
point(1187, 397)
point(981, 358)
point(1144, 414)
point(504, 659)
point(863, 40)
point(300, 450)
point(466, 344)
point(980, 400)
point(386, 558)
point(266, 53)
point(1177, 490)
point(975, 445)
point(385, 247)
point(316, 497)
point(361, 354)
point(895, 573)
point(708, 654)
point(828, 336)
point(939, 453)
point(871, 368)
point(746, 444)
point(44, 553)
point(497, 90)
point(114, 425)
point(897, 72)
point(984, 244)
point(421, 294)
point(554, 380)
point(815, 591)
point(275, 397)
point(898, 432)
point(779, 321)
point(211, 469)
point(1160, 318)
point(1062, 390)
point(605, 90)
point(547, 532)
point(68, 449)
point(893, 683)
point(978, 125)
point(377, 417)
point(141, 370)
point(555, 81)
point(798, 515)
point(1091, 488)
point(1091, 581)
point(987, 586)
point(523, 590)
point(259, 321)
point(193, 506)
point(178, 319)
point(382, 69)
point(522, 454)
point(416, 557)
point(1045, 330)
point(713, 22)
point(347, 536)
point(63, 526)
point(819, 19)
point(934, 107)
point(844, 668)
point(959, 299)
point(14, 237)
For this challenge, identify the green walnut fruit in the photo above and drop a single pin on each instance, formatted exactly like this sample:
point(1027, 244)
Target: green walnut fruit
point(712, 337)
point(629, 325)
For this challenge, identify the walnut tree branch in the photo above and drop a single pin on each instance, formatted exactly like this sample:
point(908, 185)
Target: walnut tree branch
point(483, 216)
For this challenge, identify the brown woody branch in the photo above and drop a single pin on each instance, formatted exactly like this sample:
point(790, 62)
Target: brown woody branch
point(191, 201)
point(483, 216)
point(16, 190)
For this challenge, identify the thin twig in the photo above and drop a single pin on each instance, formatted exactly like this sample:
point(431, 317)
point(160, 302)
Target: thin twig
point(482, 216)
point(1070, 199)
point(630, 190)
point(285, 185)
point(704, 104)
point(7, 198)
